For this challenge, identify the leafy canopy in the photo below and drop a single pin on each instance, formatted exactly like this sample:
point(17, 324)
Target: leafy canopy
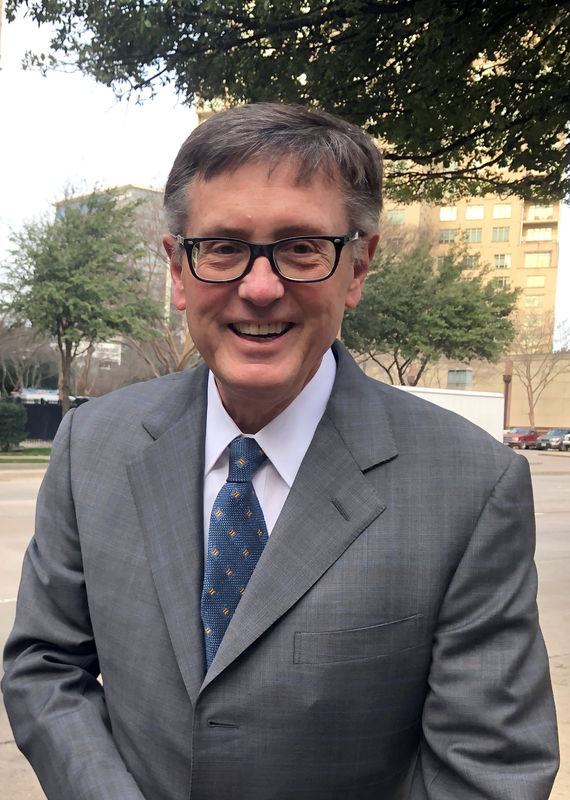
point(411, 314)
point(75, 278)
point(458, 91)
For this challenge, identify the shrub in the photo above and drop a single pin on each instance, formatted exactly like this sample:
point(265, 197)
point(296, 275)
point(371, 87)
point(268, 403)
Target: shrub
point(12, 424)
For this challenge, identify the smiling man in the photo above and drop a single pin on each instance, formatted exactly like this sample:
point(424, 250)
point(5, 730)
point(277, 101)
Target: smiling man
point(294, 581)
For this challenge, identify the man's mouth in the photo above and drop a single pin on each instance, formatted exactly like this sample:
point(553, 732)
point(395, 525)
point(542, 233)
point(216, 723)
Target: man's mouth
point(268, 330)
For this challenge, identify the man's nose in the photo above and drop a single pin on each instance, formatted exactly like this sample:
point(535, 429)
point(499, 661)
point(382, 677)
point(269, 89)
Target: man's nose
point(262, 285)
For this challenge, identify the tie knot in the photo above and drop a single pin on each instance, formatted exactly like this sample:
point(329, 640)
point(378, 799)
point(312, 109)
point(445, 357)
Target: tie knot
point(245, 457)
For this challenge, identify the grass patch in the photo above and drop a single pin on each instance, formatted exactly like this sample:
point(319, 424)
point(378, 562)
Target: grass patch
point(28, 455)
point(7, 459)
point(27, 451)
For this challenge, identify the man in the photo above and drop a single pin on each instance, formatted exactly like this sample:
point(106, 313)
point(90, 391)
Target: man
point(386, 643)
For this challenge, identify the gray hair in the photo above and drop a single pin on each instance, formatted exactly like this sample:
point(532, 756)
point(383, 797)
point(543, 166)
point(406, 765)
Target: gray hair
point(315, 141)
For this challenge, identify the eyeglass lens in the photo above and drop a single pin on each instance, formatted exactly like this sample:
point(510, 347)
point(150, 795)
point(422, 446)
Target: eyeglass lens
point(298, 259)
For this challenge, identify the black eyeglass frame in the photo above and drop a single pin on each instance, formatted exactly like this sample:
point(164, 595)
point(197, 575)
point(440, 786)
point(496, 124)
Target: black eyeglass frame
point(266, 250)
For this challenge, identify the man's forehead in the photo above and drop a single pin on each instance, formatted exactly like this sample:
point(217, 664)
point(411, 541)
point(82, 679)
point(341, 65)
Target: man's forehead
point(300, 173)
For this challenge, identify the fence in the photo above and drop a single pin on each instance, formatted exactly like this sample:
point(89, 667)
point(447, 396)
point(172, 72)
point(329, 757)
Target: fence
point(42, 420)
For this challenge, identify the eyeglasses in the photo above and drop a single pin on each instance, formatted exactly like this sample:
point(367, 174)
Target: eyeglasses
point(301, 259)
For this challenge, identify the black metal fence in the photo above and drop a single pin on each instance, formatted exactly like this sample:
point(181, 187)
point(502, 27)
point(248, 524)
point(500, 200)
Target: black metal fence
point(42, 420)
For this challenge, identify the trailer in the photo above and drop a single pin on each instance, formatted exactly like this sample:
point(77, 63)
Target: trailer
point(485, 409)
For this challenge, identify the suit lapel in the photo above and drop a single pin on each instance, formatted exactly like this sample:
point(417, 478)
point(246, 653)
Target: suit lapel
point(166, 481)
point(329, 505)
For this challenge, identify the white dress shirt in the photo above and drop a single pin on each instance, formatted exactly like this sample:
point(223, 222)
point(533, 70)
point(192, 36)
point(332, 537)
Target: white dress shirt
point(284, 440)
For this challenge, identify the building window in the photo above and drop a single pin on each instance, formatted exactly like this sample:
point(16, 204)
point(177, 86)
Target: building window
point(502, 261)
point(473, 235)
point(447, 213)
point(471, 262)
point(440, 261)
point(459, 378)
point(502, 211)
point(504, 282)
point(539, 234)
point(447, 235)
point(474, 212)
point(500, 234)
point(536, 260)
point(536, 282)
point(395, 216)
point(540, 212)
point(534, 301)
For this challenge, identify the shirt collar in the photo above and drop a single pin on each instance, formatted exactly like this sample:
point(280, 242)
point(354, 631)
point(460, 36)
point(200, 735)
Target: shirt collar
point(284, 450)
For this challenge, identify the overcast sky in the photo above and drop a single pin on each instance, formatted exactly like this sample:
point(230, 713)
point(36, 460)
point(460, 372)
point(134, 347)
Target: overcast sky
point(66, 130)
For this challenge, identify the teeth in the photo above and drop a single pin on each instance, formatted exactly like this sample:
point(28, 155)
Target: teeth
point(260, 330)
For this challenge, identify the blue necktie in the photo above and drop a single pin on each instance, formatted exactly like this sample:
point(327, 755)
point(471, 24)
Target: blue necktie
point(236, 540)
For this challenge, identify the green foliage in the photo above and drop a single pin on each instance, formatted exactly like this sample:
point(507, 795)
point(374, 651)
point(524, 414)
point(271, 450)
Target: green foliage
point(12, 424)
point(75, 278)
point(457, 90)
point(411, 314)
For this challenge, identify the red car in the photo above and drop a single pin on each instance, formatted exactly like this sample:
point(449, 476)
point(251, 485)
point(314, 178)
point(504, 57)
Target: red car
point(520, 437)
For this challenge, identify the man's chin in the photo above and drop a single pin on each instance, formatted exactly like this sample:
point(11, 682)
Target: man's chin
point(260, 382)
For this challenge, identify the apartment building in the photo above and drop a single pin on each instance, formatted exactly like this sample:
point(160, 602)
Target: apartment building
point(518, 240)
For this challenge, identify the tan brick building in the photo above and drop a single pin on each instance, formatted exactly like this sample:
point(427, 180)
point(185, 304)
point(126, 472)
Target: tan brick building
point(518, 240)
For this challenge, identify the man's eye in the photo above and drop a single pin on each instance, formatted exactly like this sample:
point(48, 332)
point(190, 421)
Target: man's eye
point(219, 249)
point(299, 248)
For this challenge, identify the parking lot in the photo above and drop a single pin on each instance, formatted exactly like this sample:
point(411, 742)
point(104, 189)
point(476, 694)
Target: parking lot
point(551, 481)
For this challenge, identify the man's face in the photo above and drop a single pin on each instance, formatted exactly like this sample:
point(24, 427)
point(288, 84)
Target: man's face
point(264, 337)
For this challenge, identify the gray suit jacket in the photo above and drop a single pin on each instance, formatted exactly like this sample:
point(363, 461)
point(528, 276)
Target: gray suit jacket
point(387, 645)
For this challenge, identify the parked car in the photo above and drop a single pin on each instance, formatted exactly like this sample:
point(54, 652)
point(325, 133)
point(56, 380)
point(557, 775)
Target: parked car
point(520, 437)
point(566, 442)
point(553, 440)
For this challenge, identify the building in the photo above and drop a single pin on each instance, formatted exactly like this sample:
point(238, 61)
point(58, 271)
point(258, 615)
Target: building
point(518, 240)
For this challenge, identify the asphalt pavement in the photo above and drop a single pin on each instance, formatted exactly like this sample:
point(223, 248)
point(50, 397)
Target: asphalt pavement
point(551, 482)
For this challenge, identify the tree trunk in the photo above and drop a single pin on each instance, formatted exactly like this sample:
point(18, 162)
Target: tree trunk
point(531, 404)
point(64, 382)
point(83, 381)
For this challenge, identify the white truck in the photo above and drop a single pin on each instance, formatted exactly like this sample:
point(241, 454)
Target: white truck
point(485, 409)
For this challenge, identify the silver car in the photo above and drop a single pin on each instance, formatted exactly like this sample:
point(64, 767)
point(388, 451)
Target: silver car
point(553, 440)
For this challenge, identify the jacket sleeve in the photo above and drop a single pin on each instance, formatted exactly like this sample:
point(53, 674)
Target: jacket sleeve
point(489, 726)
point(54, 701)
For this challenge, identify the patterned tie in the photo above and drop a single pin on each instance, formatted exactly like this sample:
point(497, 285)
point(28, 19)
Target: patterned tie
point(236, 540)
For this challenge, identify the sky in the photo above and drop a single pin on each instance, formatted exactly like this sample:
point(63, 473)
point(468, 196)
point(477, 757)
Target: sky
point(65, 130)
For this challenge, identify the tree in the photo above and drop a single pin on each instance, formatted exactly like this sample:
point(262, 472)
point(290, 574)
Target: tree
point(535, 364)
point(458, 91)
point(26, 359)
point(411, 314)
point(75, 278)
point(12, 424)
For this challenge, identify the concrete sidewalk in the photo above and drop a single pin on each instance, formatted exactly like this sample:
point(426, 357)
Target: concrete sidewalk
point(551, 480)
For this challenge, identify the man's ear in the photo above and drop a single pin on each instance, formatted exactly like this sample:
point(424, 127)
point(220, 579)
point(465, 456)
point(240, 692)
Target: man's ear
point(175, 258)
point(361, 267)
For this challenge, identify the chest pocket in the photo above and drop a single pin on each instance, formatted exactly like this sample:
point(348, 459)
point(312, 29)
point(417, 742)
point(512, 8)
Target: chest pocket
point(354, 644)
